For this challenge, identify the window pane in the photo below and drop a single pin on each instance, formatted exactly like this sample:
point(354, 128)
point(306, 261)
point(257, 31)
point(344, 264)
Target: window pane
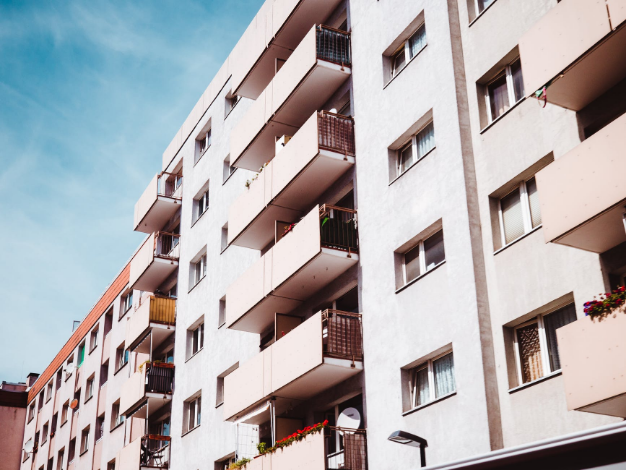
point(417, 41)
point(553, 322)
point(498, 97)
point(198, 411)
point(482, 4)
point(425, 140)
point(529, 353)
point(443, 369)
point(434, 251)
point(512, 216)
point(192, 414)
point(412, 263)
point(399, 60)
point(421, 389)
point(518, 81)
point(406, 157)
point(533, 202)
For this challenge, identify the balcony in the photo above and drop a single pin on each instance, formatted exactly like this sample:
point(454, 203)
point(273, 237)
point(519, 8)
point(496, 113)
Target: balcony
point(158, 203)
point(154, 261)
point(592, 357)
point(316, 355)
point(583, 193)
point(155, 318)
point(575, 51)
point(147, 390)
point(148, 452)
point(273, 34)
point(313, 160)
point(315, 70)
point(307, 257)
point(312, 453)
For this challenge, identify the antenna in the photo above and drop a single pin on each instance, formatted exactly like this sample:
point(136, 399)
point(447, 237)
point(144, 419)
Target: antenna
point(28, 447)
point(350, 418)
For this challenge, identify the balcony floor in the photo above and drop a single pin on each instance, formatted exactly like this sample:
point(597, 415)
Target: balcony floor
point(154, 275)
point(158, 332)
point(162, 210)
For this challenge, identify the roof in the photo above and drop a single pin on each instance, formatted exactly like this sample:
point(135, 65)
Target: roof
point(13, 399)
point(90, 320)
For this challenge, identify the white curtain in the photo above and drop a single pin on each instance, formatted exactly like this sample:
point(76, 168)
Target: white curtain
point(553, 322)
point(421, 391)
point(434, 250)
point(533, 201)
point(417, 41)
point(512, 216)
point(425, 140)
point(444, 375)
point(499, 97)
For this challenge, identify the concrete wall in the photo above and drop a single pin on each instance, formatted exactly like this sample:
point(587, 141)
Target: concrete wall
point(11, 433)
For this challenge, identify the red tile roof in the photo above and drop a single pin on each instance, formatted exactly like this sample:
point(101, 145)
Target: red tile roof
point(90, 320)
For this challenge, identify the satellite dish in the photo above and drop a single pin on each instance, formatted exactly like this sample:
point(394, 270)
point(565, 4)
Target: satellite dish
point(350, 418)
point(74, 404)
point(69, 369)
point(28, 447)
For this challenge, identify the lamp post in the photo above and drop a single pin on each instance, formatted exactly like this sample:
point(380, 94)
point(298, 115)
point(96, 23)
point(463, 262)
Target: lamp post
point(403, 437)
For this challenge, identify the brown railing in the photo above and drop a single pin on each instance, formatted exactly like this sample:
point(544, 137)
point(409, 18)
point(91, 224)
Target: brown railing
point(333, 45)
point(353, 448)
point(343, 338)
point(163, 310)
point(170, 185)
point(338, 228)
point(159, 378)
point(336, 132)
point(155, 451)
point(166, 245)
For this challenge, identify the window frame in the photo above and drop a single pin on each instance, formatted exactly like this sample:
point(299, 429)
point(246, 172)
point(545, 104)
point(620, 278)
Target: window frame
point(431, 381)
point(204, 143)
point(526, 212)
point(93, 339)
point(127, 303)
point(84, 440)
point(413, 143)
point(65, 411)
point(405, 49)
point(422, 259)
point(510, 89)
point(89, 386)
point(200, 331)
point(199, 270)
point(197, 408)
point(202, 201)
point(478, 10)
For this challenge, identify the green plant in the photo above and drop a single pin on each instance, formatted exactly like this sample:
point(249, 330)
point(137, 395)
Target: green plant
point(261, 447)
point(239, 463)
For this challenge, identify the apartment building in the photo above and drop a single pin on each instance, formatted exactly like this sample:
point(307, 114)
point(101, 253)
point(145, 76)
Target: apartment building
point(13, 400)
point(392, 217)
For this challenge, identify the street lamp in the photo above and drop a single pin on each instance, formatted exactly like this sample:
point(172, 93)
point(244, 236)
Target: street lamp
point(403, 437)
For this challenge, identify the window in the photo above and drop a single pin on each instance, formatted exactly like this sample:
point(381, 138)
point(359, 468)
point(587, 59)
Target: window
point(203, 142)
point(127, 303)
point(219, 395)
point(59, 379)
point(81, 354)
point(71, 451)
point(408, 50)
point(225, 463)
point(224, 240)
point(77, 398)
point(482, 4)
point(69, 367)
point(415, 149)
point(222, 312)
point(536, 349)
point(64, 412)
point(44, 433)
point(49, 389)
point(84, 440)
point(41, 400)
point(196, 339)
point(201, 204)
point(192, 414)
point(519, 211)
point(423, 257)
point(50, 464)
point(93, 339)
point(111, 465)
point(53, 427)
point(104, 373)
point(228, 169)
point(505, 90)
point(121, 357)
point(116, 417)
point(31, 411)
point(108, 322)
point(198, 270)
point(231, 102)
point(432, 380)
point(60, 459)
point(89, 388)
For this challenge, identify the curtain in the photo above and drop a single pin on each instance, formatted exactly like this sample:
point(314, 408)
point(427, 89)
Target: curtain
point(512, 216)
point(406, 157)
point(412, 263)
point(533, 201)
point(553, 322)
point(425, 140)
point(529, 353)
point(444, 375)
point(399, 60)
point(518, 81)
point(498, 96)
point(434, 251)
point(421, 390)
point(417, 41)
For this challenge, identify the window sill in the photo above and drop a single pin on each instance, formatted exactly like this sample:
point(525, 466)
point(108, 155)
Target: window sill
point(231, 109)
point(43, 442)
point(228, 177)
point(83, 452)
point(221, 325)
point(194, 286)
point(199, 217)
point(412, 166)
point(115, 373)
point(521, 237)
point(224, 249)
point(104, 384)
point(219, 404)
point(413, 281)
point(68, 377)
point(31, 418)
point(425, 405)
point(63, 424)
point(87, 399)
point(124, 314)
point(49, 398)
point(194, 355)
point(116, 426)
point(534, 382)
point(480, 14)
point(405, 67)
point(201, 155)
point(499, 118)
point(92, 350)
point(190, 431)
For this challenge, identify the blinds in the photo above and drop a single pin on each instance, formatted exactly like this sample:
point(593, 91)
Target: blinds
point(425, 140)
point(512, 216)
point(553, 322)
point(530, 352)
point(533, 202)
point(443, 369)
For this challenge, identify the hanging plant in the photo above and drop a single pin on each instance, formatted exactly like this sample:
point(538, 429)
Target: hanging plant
point(239, 463)
point(297, 436)
point(607, 304)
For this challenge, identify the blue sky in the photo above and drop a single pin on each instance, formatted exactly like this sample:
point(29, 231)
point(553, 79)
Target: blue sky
point(91, 93)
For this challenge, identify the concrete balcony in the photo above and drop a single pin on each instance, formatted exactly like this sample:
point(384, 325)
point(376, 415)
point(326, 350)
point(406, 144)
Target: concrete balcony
point(146, 391)
point(315, 70)
point(148, 452)
point(322, 246)
point(574, 50)
point(583, 193)
point(593, 356)
point(274, 33)
point(313, 160)
point(158, 203)
point(152, 323)
point(316, 355)
point(154, 261)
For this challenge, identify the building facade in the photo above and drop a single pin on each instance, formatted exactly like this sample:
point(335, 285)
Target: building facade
point(380, 216)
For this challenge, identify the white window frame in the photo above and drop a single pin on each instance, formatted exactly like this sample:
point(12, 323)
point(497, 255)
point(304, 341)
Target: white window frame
point(93, 339)
point(510, 90)
point(119, 418)
point(127, 302)
point(414, 149)
point(84, 440)
point(195, 401)
point(199, 270)
point(202, 204)
point(65, 411)
point(431, 380)
point(543, 345)
point(49, 390)
point(205, 142)
point(478, 10)
point(200, 330)
point(526, 214)
point(89, 387)
point(407, 52)
point(421, 257)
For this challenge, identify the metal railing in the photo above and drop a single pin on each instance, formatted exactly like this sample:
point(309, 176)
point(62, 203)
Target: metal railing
point(336, 133)
point(166, 245)
point(351, 445)
point(155, 451)
point(338, 228)
point(159, 378)
point(343, 338)
point(170, 185)
point(333, 45)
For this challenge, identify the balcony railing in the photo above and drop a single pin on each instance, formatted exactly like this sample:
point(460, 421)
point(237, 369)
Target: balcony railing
point(338, 228)
point(170, 185)
point(155, 451)
point(342, 335)
point(159, 378)
point(336, 133)
point(333, 45)
point(166, 245)
point(159, 202)
point(353, 452)
point(152, 384)
point(155, 315)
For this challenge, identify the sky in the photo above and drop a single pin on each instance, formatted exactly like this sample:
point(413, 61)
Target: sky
point(91, 94)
